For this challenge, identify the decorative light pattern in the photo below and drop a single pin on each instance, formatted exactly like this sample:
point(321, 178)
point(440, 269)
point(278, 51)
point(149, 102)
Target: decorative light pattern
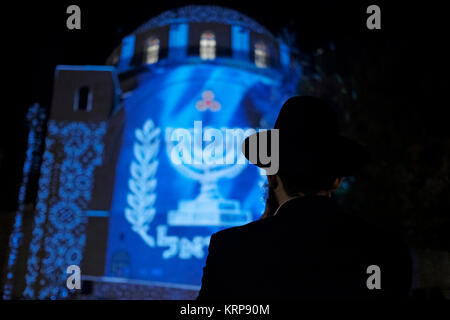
point(65, 186)
point(35, 117)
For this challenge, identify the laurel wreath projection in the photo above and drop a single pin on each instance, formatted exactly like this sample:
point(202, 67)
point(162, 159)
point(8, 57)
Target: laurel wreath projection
point(142, 183)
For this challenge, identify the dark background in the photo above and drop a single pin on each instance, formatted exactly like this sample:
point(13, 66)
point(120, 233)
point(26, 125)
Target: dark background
point(388, 84)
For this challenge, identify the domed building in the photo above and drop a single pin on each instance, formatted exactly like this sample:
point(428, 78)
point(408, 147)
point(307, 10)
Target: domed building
point(115, 197)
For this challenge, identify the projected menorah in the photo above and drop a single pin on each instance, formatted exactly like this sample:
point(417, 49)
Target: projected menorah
point(207, 165)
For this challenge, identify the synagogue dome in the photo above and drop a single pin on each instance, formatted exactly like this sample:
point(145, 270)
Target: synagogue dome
point(200, 33)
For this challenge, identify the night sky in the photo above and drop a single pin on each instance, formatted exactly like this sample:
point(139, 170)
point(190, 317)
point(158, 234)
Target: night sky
point(37, 40)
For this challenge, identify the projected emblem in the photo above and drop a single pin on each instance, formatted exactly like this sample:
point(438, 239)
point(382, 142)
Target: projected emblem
point(207, 164)
point(205, 157)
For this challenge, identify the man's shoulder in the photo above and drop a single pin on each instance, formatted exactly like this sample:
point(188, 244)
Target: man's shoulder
point(244, 232)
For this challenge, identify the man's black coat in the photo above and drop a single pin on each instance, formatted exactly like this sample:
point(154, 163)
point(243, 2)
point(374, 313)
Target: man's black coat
point(309, 249)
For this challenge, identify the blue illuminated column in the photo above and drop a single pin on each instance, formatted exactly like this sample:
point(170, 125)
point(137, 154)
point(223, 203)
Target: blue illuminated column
point(240, 37)
point(178, 41)
point(127, 52)
point(285, 55)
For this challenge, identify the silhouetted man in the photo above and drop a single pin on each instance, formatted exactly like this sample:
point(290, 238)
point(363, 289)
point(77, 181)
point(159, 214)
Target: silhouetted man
point(305, 246)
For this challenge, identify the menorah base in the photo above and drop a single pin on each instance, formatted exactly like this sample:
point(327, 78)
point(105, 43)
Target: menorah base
point(211, 212)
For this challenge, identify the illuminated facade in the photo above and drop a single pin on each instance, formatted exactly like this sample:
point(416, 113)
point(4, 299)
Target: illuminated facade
point(111, 197)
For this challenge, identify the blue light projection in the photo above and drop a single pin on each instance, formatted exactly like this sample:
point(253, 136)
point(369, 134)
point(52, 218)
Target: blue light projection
point(162, 215)
point(58, 236)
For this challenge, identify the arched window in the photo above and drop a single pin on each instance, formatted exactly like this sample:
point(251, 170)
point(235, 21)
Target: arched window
point(152, 50)
point(208, 46)
point(261, 55)
point(83, 99)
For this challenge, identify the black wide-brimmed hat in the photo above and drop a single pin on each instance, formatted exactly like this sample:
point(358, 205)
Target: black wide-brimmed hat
point(309, 141)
